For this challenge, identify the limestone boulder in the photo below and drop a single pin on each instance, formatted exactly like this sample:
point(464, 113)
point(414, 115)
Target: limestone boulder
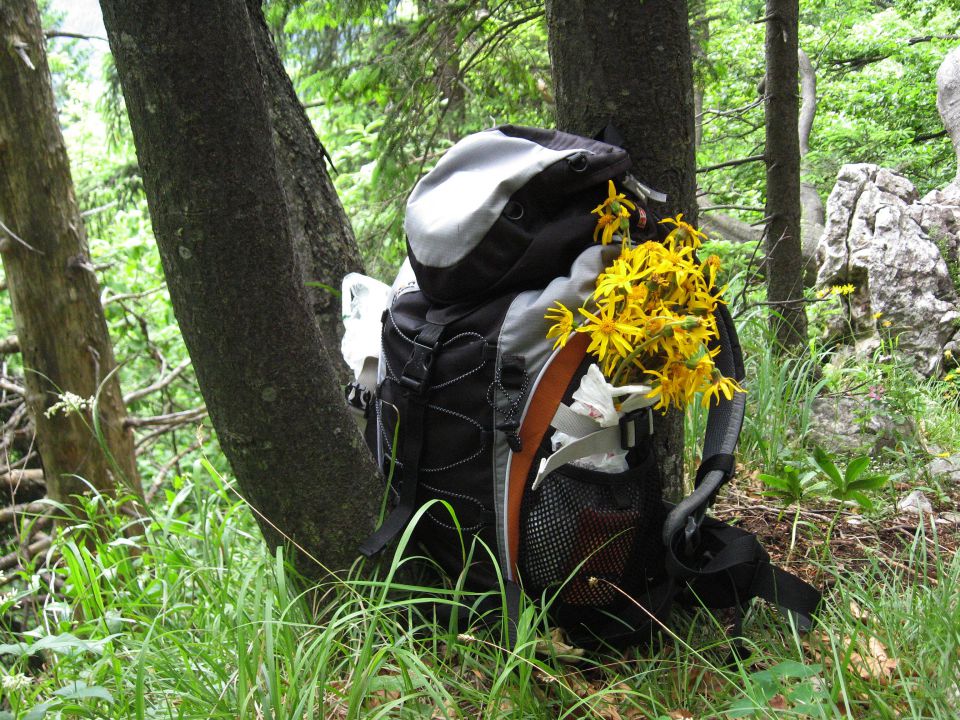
point(886, 241)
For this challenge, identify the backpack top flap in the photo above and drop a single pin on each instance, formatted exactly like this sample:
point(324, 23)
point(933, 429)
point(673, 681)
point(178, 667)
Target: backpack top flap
point(506, 209)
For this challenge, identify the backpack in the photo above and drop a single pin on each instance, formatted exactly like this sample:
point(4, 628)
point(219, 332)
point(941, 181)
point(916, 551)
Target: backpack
point(469, 393)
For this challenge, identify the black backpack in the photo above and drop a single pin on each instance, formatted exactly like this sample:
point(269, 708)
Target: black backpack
point(472, 390)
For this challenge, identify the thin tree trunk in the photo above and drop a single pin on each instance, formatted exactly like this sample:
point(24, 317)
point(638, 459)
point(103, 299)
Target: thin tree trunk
point(630, 63)
point(197, 82)
point(784, 265)
point(60, 325)
point(812, 213)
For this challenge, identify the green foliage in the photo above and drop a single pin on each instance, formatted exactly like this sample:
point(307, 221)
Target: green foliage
point(851, 485)
point(792, 486)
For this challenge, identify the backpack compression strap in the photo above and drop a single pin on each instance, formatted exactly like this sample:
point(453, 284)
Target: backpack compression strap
point(415, 381)
point(721, 565)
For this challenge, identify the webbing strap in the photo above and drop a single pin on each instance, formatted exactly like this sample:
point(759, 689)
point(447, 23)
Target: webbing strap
point(737, 569)
point(412, 407)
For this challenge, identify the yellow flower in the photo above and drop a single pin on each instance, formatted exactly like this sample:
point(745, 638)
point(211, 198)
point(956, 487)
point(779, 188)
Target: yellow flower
point(887, 323)
point(720, 384)
point(877, 315)
point(614, 202)
point(563, 324)
point(686, 233)
point(609, 225)
point(843, 289)
point(607, 332)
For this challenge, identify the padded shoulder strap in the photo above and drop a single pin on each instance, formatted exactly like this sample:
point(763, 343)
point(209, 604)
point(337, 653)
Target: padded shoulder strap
point(723, 430)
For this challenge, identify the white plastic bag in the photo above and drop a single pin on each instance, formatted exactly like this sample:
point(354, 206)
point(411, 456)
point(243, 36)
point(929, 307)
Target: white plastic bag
point(595, 399)
point(363, 301)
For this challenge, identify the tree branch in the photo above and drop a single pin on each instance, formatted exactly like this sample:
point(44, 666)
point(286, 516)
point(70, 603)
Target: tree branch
point(732, 163)
point(9, 346)
point(49, 34)
point(158, 385)
point(177, 418)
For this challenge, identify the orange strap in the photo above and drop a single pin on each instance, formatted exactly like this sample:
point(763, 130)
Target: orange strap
point(543, 406)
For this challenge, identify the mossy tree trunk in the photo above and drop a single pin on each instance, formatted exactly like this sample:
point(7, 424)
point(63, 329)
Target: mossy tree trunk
point(629, 63)
point(59, 320)
point(231, 173)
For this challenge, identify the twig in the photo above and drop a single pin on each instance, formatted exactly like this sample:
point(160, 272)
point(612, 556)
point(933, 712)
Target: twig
point(41, 542)
point(732, 163)
point(177, 418)
point(165, 469)
point(158, 385)
point(50, 34)
point(96, 210)
point(19, 239)
point(129, 296)
point(748, 208)
point(37, 507)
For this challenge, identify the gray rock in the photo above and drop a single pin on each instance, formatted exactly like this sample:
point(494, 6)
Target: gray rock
point(948, 99)
point(915, 503)
point(880, 238)
point(853, 425)
point(947, 468)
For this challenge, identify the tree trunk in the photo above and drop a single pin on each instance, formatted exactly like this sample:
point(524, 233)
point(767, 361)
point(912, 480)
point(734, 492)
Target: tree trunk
point(640, 77)
point(813, 216)
point(784, 263)
point(216, 148)
point(322, 238)
point(55, 295)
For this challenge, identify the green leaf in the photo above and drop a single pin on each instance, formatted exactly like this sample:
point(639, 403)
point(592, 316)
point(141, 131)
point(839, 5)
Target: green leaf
point(856, 468)
point(775, 481)
point(79, 690)
point(873, 482)
point(823, 461)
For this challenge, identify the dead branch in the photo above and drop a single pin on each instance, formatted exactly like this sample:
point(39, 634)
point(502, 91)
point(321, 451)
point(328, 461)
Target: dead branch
point(732, 163)
point(165, 469)
point(107, 299)
point(30, 478)
point(9, 345)
point(50, 34)
point(41, 542)
point(11, 386)
point(37, 507)
point(171, 419)
point(158, 385)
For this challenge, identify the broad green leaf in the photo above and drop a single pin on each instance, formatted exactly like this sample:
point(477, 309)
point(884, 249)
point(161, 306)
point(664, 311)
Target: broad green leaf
point(856, 468)
point(79, 690)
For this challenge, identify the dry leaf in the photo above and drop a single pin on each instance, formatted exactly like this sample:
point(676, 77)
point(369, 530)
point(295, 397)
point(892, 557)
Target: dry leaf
point(778, 702)
point(858, 612)
point(876, 664)
point(680, 715)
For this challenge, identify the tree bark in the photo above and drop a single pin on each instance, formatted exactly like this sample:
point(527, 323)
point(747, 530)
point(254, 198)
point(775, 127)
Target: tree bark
point(630, 63)
point(61, 329)
point(322, 237)
point(214, 144)
point(784, 263)
point(813, 216)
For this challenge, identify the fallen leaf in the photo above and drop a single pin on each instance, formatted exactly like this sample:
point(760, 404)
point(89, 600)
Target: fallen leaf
point(680, 715)
point(876, 664)
point(779, 702)
point(858, 612)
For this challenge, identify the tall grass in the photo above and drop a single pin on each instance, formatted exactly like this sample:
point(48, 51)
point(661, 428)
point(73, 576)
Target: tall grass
point(199, 620)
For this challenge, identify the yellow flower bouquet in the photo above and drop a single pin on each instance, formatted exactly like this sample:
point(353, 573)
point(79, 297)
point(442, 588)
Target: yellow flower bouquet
point(651, 318)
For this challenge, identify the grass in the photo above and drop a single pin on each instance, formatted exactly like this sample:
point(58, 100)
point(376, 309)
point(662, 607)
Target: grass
point(199, 620)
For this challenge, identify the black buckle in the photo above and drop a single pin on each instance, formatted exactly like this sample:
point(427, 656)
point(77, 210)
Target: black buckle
point(358, 397)
point(635, 427)
point(417, 370)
